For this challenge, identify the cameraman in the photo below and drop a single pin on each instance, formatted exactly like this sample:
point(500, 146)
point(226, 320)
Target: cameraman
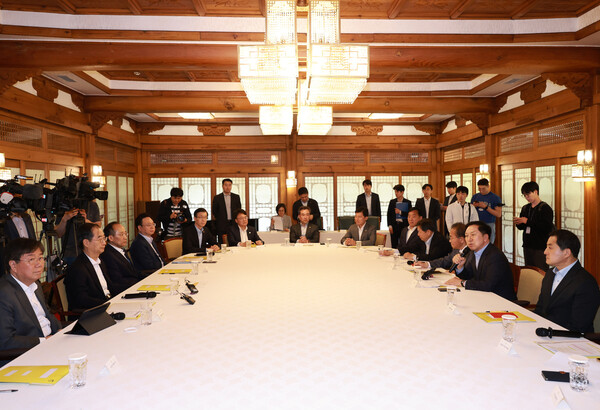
point(172, 213)
point(67, 228)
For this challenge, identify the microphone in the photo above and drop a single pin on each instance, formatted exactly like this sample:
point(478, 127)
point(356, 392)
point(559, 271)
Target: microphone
point(118, 315)
point(143, 295)
point(540, 331)
point(462, 255)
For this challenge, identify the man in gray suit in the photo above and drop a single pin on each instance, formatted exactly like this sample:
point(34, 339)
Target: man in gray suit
point(25, 319)
point(360, 230)
point(459, 245)
point(304, 231)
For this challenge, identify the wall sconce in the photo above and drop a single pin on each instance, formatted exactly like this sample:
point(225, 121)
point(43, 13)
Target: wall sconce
point(5, 173)
point(484, 170)
point(274, 159)
point(584, 170)
point(97, 176)
point(291, 180)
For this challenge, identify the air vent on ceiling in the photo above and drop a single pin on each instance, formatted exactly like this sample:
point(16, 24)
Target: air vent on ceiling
point(67, 79)
point(513, 80)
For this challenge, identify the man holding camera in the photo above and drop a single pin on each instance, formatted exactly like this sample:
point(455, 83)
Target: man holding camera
point(68, 225)
point(172, 213)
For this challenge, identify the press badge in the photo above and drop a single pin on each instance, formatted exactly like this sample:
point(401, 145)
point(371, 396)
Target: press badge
point(528, 230)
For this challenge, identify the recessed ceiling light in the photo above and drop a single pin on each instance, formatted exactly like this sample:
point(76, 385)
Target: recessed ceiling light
point(196, 115)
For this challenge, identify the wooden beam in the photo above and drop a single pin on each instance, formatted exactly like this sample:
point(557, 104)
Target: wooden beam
point(459, 9)
point(199, 7)
point(432, 105)
point(66, 6)
point(395, 8)
point(524, 9)
point(262, 7)
point(135, 7)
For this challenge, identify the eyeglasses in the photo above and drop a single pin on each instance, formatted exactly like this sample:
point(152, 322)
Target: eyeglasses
point(149, 225)
point(101, 238)
point(33, 260)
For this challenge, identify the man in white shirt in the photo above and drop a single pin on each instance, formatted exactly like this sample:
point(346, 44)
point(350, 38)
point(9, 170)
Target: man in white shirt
point(369, 199)
point(119, 266)
point(25, 319)
point(240, 233)
point(87, 283)
point(143, 251)
point(461, 211)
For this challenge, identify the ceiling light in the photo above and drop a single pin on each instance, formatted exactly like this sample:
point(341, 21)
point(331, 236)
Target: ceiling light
point(276, 120)
point(196, 115)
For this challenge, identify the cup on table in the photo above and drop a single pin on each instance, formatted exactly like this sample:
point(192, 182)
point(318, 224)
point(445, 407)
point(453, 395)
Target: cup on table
point(328, 241)
point(146, 316)
point(578, 372)
point(248, 244)
point(224, 248)
point(209, 254)
point(397, 261)
point(195, 268)
point(78, 369)
point(174, 285)
point(450, 294)
point(358, 245)
point(286, 241)
point(509, 324)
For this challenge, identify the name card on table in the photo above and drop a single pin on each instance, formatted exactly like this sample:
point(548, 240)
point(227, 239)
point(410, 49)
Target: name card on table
point(558, 399)
point(507, 347)
point(452, 308)
point(111, 367)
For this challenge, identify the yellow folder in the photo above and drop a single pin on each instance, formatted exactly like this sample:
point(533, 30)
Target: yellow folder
point(33, 374)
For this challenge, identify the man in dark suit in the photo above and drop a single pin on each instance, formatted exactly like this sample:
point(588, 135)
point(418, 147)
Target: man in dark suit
point(409, 242)
point(315, 213)
point(396, 225)
point(241, 232)
point(87, 283)
point(118, 265)
point(360, 230)
point(436, 245)
point(143, 251)
point(25, 319)
point(304, 231)
point(369, 200)
point(458, 243)
point(197, 238)
point(569, 296)
point(173, 213)
point(223, 207)
point(19, 225)
point(429, 207)
point(485, 267)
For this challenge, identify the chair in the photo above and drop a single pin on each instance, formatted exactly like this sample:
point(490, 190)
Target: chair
point(344, 222)
point(225, 241)
point(381, 237)
point(173, 247)
point(529, 285)
point(375, 221)
point(59, 302)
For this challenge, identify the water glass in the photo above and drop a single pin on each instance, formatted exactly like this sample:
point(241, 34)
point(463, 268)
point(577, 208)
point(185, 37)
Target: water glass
point(174, 286)
point(578, 372)
point(78, 369)
point(509, 324)
point(195, 268)
point(224, 248)
point(209, 254)
point(146, 316)
point(248, 244)
point(286, 241)
point(450, 293)
point(328, 242)
point(397, 262)
point(358, 245)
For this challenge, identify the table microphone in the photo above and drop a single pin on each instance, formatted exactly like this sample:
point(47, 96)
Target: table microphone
point(540, 331)
point(462, 255)
point(118, 315)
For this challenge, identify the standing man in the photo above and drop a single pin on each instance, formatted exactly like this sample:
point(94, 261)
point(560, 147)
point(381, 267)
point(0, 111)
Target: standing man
point(397, 219)
point(143, 250)
point(461, 211)
point(68, 225)
point(118, 265)
point(569, 296)
point(451, 189)
point(488, 204)
point(315, 213)
point(19, 225)
point(485, 268)
point(87, 283)
point(360, 230)
point(240, 232)
point(369, 199)
point(305, 231)
point(25, 319)
point(429, 207)
point(223, 206)
point(196, 238)
point(536, 222)
point(172, 213)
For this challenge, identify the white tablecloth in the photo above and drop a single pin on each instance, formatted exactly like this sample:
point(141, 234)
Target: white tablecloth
point(306, 327)
point(335, 236)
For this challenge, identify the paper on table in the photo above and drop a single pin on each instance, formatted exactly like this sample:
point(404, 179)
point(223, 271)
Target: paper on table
point(165, 271)
point(583, 348)
point(33, 374)
point(496, 317)
point(277, 223)
point(155, 288)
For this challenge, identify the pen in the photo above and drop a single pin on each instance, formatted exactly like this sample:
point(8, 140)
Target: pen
point(8, 391)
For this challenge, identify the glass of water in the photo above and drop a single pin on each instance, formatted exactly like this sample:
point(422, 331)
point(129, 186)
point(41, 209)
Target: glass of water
point(578, 372)
point(509, 324)
point(78, 369)
point(358, 245)
point(450, 294)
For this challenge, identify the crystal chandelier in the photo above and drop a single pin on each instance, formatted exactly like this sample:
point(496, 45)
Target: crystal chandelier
point(276, 119)
point(336, 73)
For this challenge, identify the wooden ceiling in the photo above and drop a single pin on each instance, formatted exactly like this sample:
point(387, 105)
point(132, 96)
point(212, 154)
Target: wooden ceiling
point(438, 57)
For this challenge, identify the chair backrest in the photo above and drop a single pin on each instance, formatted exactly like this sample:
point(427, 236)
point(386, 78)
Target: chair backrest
point(597, 322)
point(225, 241)
point(61, 292)
point(375, 221)
point(173, 246)
point(530, 284)
point(344, 222)
point(381, 237)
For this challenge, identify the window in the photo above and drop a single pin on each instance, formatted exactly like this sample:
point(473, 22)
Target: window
point(414, 186)
point(111, 202)
point(263, 199)
point(467, 181)
point(131, 209)
point(123, 209)
point(572, 216)
point(321, 190)
point(160, 188)
point(196, 192)
point(522, 176)
point(545, 178)
point(384, 187)
point(348, 188)
point(508, 212)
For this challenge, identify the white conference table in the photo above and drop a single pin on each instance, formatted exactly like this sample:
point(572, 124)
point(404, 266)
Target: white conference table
point(271, 237)
point(306, 327)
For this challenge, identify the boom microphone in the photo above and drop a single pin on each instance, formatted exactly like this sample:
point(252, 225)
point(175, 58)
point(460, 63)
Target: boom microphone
point(462, 255)
point(540, 331)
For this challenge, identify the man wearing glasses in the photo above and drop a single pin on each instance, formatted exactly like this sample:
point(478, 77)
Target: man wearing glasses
point(118, 265)
point(144, 252)
point(25, 319)
point(87, 283)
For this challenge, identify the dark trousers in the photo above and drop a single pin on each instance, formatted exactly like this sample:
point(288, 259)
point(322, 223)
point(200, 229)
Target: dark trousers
point(535, 257)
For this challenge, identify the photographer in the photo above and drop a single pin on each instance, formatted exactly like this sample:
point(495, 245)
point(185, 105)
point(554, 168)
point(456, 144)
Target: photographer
point(67, 225)
point(172, 213)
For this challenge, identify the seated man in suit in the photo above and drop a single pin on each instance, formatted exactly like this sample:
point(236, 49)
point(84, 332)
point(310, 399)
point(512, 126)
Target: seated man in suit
point(144, 252)
point(485, 267)
point(87, 282)
point(304, 231)
point(436, 245)
point(360, 230)
point(19, 225)
point(240, 232)
point(118, 265)
point(409, 242)
point(197, 238)
point(569, 294)
point(25, 319)
point(315, 212)
point(459, 245)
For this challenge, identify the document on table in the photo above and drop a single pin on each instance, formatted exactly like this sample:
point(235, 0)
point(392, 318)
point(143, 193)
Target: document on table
point(33, 374)
point(583, 348)
point(167, 271)
point(154, 288)
point(277, 223)
point(496, 317)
